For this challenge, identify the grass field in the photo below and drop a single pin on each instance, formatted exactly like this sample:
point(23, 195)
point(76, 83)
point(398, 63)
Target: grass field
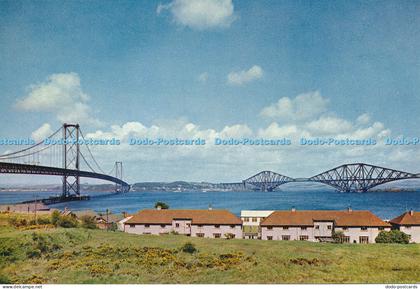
point(76, 255)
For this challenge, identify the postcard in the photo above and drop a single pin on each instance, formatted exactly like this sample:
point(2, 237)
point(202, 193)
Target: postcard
point(209, 142)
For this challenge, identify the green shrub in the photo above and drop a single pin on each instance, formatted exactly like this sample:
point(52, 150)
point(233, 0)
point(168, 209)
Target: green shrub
point(55, 217)
point(162, 205)
point(5, 280)
point(88, 222)
point(41, 242)
point(229, 236)
point(67, 222)
point(44, 221)
point(113, 227)
point(17, 222)
point(393, 236)
point(188, 248)
point(33, 253)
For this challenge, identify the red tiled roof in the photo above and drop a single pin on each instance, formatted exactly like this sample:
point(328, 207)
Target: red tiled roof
point(307, 218)
point(203, 217)
point(407, 219)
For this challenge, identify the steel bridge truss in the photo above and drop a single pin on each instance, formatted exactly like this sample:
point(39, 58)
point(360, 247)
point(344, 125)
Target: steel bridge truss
point(360, 177)
point(357, 177)
point(267, 180)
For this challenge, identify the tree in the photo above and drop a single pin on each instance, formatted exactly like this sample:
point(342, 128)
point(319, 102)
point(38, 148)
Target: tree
point(338, 236)
point(162, 205)
point(393, 236)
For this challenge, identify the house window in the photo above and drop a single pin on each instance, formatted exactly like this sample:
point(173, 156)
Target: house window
point(285, 237)
point(317, 227)
point(269, 238)
point(217, 235)
point(303, 237)
point(217, 226)
point(364, 228)
point(286, 228)
point(381, 228)
point(254, 220)
point(132, 226)
point(177, 225)
point(269, 228)
point(162, 226)
point(246, 219)
point(146, 226)
point(408, 227)
point(303, 228)
point(345, 239)
point(345, 228)
point(200, 235)
point(329, 227)
point(200, 226)
point(232, 226)
point(363, 239)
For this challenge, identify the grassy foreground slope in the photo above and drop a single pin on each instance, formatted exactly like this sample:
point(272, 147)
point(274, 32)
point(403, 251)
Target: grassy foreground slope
point(57, 255)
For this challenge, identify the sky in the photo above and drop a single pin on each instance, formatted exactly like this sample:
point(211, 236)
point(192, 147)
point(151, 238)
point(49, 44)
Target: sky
point(215, 68)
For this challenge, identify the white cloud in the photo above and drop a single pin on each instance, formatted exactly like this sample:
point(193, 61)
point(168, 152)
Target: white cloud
point(328, 125)
point(245, 76)
point(62, 95)
point(302, 107)
point(363, 119)
point(200, 14)
point(42, 132)
point(203, 77)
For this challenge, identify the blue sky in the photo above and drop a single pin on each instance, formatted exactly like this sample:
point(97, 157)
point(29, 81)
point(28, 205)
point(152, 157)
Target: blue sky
point(140, 63)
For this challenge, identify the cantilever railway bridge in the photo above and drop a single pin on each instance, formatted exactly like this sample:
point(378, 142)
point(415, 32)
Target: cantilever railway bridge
point(64, 159)
point(357, 177)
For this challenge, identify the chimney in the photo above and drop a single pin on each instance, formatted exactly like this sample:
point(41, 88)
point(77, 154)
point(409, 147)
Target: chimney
point(411, 212)
point(124, 214)
point(293, 209)
point(210, 207)
point(158, 208)
point(349, 209)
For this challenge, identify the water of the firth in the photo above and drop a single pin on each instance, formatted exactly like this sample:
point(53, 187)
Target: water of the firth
point(384, 204)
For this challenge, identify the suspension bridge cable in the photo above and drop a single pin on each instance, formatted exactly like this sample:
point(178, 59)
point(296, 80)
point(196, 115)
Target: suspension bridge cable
point(13, 153)
point(25, 155)
point(113, 168)
point(83, 157)
point(92, 154)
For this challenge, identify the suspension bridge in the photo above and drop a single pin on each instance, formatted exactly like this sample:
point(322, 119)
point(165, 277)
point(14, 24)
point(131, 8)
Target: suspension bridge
point(356, 177)
point(68, 155)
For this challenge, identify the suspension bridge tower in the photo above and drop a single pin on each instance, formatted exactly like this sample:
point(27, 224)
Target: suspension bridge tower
point(71, 161)
point(118, 175)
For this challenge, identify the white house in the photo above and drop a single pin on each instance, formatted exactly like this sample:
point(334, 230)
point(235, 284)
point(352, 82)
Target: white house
point(251, 220)
point(318, 226)
point(409, 223)
point(195, 223)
